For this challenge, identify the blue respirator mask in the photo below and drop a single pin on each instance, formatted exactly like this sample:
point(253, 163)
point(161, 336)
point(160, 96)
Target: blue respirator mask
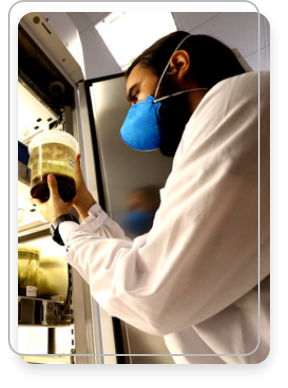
point(142, 126)
point(138, 222)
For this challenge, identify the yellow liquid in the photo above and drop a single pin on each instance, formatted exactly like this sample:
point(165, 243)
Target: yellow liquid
point(52, 158)
point(28, 263)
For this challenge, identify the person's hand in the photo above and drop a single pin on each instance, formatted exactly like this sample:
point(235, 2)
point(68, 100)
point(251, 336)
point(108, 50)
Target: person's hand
point(83, 199)
point(55, 206)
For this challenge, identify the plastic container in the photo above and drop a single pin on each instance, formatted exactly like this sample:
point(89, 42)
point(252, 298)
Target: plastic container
point(28, 264)
point(53, 152)
point(53, 277)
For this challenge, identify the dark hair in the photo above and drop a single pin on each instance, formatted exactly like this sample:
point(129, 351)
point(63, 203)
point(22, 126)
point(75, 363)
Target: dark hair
point(148, 191)
point(211, 60)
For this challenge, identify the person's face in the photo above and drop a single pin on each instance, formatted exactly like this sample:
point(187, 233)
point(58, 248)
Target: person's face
point(140, 83)
point(174, 112)
point(139, 201)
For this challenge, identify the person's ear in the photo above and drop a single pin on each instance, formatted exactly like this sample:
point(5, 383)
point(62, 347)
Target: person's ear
point(179, 64)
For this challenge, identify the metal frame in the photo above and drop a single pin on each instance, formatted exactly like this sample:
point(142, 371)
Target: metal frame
point(102, 323)
point(93, 332)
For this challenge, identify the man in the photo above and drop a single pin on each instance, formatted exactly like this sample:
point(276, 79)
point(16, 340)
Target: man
point(194, 277)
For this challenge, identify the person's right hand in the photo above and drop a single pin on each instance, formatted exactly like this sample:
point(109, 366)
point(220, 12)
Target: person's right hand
point(83, 199)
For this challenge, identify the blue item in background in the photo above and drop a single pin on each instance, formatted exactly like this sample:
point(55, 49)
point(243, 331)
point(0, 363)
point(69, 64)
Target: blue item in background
point(23, 155)
point(138, 222)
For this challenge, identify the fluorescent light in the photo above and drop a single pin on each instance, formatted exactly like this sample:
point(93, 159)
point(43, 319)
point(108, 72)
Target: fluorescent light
point(128, 34)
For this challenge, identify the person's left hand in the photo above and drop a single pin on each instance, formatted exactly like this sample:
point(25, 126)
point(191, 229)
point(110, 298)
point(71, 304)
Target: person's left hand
point(55, 206)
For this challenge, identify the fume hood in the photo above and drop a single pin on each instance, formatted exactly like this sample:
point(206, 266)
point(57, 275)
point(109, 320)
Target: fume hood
point(63, 319)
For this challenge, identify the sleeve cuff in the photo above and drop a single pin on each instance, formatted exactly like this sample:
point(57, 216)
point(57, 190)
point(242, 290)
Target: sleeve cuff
point(93, 212)
point(65, 228)
point(92, 223)
point(95, 219)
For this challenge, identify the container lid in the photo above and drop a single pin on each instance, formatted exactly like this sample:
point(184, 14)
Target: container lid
point(29, 249)
point(53, 136)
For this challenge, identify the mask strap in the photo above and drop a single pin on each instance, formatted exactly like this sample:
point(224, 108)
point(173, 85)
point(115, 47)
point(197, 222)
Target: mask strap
point(166, 67)
point(177, 94)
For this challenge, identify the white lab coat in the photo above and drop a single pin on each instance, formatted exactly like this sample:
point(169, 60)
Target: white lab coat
point(193, 278)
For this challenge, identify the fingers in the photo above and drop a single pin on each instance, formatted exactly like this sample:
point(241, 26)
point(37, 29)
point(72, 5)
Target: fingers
point(79, 176)
point(52, 184)
point(53, 188)
point(77, 166)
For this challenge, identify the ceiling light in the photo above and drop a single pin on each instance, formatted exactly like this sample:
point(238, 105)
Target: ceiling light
point(128, 34)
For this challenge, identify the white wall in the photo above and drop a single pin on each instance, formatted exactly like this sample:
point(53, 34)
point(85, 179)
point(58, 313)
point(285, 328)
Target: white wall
point(98, 60)
point(237, 30)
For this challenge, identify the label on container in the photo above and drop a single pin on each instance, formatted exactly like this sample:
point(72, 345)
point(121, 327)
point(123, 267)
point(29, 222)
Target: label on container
point(31, 291)
point(71, 163)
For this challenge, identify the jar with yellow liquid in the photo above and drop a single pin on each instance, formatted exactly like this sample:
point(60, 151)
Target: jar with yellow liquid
point(28, 264)
point(53, 152)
